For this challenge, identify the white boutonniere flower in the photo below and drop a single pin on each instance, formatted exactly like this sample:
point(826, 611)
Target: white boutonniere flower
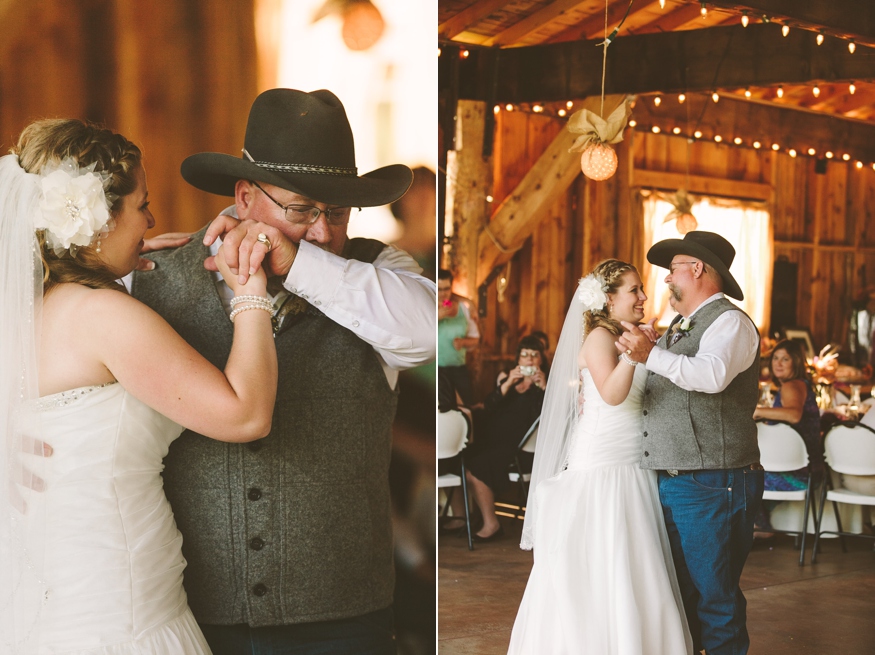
point(686, 324)
point(74, 208)
point(591, 293)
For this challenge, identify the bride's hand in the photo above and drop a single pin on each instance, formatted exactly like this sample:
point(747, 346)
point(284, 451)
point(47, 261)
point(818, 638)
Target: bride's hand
point(649, 329)
point(256, 284)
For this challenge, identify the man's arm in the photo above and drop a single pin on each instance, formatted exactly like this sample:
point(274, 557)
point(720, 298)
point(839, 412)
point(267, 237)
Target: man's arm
point(727, 348)
point(387, 304)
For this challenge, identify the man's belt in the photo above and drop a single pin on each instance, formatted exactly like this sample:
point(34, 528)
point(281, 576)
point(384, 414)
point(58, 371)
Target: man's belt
point(756, 466)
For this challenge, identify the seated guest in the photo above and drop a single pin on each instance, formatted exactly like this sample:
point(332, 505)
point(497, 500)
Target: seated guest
point(795, 403)
point(508, 413)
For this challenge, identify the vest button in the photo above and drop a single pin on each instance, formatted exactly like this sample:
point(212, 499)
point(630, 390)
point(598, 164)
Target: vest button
point(255, 494)
point(254, 446)
point(645, 412)
point(646, 454)
point(259, 589)
point(256, 543)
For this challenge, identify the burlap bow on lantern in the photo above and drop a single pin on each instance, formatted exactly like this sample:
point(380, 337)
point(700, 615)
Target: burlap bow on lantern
point(594, 129)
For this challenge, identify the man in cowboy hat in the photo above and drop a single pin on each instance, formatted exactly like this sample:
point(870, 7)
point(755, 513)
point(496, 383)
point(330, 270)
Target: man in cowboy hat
point(699, 433)
point(288, 539)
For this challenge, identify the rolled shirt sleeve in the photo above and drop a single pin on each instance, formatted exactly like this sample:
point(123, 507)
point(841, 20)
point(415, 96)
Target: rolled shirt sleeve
point(728, 347)
point(387, 304)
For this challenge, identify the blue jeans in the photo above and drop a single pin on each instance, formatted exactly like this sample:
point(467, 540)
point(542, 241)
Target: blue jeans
point(369, 634)
point(709, 516)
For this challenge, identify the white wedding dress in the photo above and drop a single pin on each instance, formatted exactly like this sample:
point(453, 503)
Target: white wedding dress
point(113, 560)
point(603, 581)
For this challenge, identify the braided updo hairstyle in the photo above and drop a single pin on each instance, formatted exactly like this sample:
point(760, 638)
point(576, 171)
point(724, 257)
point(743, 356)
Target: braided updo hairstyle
point(52, 141)
point(609, 271)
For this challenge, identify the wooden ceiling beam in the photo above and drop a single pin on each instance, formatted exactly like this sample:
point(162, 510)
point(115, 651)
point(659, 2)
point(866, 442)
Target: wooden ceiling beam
point(753, 120)
point(847, 19)
point(595, 24)
point(532, 23)
point(689, 61)
point(468, 17)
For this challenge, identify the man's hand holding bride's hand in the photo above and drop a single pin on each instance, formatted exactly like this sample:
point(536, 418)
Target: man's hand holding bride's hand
point(245, 252)
point(637, 341)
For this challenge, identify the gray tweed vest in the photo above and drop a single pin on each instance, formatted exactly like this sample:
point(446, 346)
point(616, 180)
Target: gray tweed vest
point(294, 527)
point(690, 430)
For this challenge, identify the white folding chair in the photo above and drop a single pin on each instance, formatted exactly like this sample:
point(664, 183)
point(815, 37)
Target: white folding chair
point(782, 449)
point(516, 473)
point(841, 398)
point(850, 449)
point(453, 430)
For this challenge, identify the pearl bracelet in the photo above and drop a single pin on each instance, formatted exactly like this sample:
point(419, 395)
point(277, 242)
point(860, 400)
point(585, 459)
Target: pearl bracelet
point(238, 310)
point(236, 300)
point(631, 362)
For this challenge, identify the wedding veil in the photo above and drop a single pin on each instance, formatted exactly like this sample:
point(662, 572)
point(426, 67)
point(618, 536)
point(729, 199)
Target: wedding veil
point(22, 591)
point(558, 414)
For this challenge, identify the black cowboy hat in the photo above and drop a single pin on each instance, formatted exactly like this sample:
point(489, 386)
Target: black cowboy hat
point(301, 142)
point(711, 248)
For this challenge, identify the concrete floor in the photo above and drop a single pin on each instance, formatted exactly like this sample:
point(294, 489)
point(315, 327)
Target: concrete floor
point(824, 609)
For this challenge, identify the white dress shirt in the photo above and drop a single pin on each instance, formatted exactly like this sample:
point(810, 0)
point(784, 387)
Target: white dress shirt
point(728, 347)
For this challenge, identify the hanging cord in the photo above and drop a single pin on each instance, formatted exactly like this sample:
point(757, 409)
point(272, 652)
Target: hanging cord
point(606, 43)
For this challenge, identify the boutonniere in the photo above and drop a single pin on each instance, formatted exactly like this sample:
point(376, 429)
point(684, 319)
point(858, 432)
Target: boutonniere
point(685, 325)
point(679, 329)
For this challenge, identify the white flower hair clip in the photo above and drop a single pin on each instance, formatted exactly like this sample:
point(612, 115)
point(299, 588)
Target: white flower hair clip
point(74, 208)
point(591, 291)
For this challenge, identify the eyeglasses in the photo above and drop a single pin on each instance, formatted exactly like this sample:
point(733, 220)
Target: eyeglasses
point(529, 353)
point(674, 265)
point(308, 214)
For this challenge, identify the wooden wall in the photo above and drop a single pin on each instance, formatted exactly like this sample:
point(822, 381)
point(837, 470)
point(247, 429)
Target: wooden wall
point(824, 222)
point(174, 77)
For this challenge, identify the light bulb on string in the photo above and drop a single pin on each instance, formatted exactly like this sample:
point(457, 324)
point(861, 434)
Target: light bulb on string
point(747, 93)
point(873, 166)
point(791, 152)
point(781, 91)
point(537, 109)
point(676, 130)
point(657, 100)
point(698, 134)
point(846, 157)
point(820, 38)
point(464, 54)
point(785, 30)
point(655, 129)
point(812, 151)
point(509, 107)
point(718, 138)
point(828, 154)
point(737, 140)
point(633, 123)
point(757, 145)
point(852, 88)
point(776, 147)
point(745, 19)
point(703, 10)
point(662, 4)
point(715, 97)
point(816, 91)
point(496, 109)
point(489, 198)
point(562, 112)
point(569, 104)
point(439, 52)
point(859, 164)
point(681, 98)
point(852, 47)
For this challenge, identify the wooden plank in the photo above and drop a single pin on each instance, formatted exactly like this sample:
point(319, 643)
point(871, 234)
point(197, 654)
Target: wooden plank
point(532, 22)
point(593, 26)
point(688, 61)
point(848, 19)
point(519, 213)
point(760, 121)
point(709, 186)
point(468, 17)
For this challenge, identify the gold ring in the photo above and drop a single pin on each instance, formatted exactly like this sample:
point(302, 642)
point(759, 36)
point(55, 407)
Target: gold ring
point(262, 238)
point(628, 351)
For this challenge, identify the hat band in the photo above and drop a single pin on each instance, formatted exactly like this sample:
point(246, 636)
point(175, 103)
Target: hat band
point(303, 168)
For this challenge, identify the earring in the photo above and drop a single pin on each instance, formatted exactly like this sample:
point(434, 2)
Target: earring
point(98, 244)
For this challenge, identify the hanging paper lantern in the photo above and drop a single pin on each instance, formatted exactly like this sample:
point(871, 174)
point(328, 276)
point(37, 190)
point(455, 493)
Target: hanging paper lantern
point(682, 213)
point(362, 25)
point(598, 162)
point(686, 223)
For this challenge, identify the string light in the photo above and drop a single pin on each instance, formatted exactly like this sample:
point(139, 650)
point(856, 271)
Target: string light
point(829, 154)
point(785, 30)
point(509, 107)
point(718, 138)
point(757, 145)
point(657, 101)
point(747, 93)
point(698, 134)
point(846, 157)
point(852, 88)
point(655, 129)
point(489, 198)
point(464, 54)
point(820, 38)
point(676, 130)
point(439, 52)
point(633, 123)
point(715, 97)
point(681, 98)
point(812, 151)
point(537, 109)
point(562, 112)
point(662, 4)
point(745, 19)
point(569, 104)
point(781, 91)
point(852, 47)
point(737, 140)
point(496, 109)
point(859, 164)
point(816, 91)
point(791, 152)
point(704, 10)
point(776, 147)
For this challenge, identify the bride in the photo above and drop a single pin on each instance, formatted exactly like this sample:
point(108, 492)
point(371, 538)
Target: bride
point(603, 581)
point(90, 557)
